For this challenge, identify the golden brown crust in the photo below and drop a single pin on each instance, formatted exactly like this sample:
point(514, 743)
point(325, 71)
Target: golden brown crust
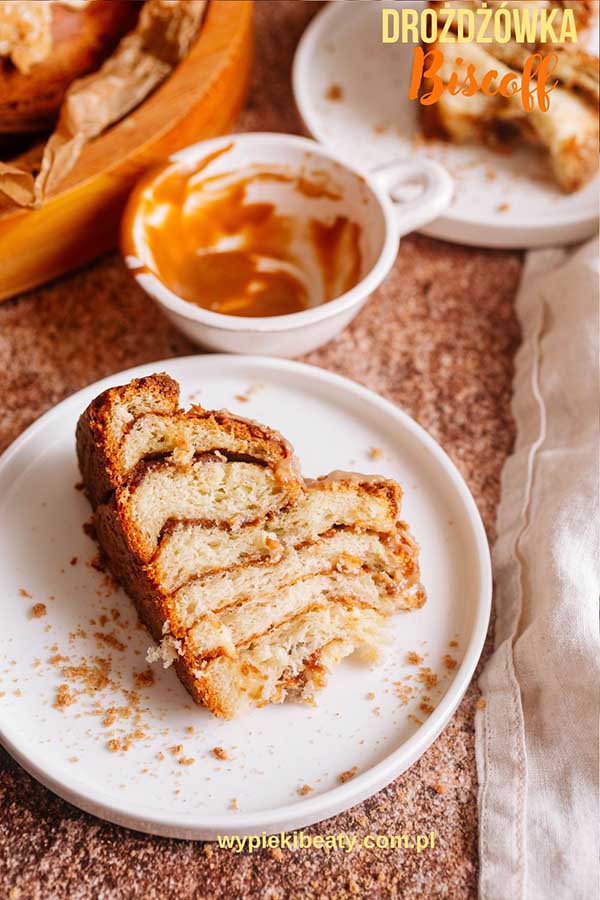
point(81, 40)
point(97, 448)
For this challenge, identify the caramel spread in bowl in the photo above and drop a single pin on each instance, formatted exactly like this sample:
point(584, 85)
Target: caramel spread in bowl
point(258, 241)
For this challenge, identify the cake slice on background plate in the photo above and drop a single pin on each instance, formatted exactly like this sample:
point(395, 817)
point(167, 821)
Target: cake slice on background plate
point(254, 581)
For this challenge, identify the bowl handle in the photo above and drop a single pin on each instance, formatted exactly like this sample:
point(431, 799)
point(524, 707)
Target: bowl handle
point(421, 189)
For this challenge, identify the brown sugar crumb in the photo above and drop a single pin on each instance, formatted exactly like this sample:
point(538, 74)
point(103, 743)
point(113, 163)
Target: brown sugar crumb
point(64, 697)
point(242, 398)
point(415, 719)
point(110, 640)
point(377, 711)
point(114, 745)
point(219, 753)
point(426, 708)
point(304, 790)
point(176, 749)
point(234, 804)
point(450, 662)
point(38, 611)
point(413, 658)
point(143, 679)
point(74, 561)
point(186, 761)
point(375, 453)
point(160, 755)
point(18, 692)
point(334, 92)
point(453, 644)
point(370, 695)
point(481, 704)
point(439, 788)
point(348, 774)
point(503, 207)
point(74, 759)
point(25, 594)
point(190, 729)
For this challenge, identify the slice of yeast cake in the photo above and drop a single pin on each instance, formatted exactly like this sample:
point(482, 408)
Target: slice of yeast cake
point(253, 581)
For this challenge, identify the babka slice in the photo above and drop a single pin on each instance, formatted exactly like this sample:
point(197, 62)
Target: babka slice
point(254, 581)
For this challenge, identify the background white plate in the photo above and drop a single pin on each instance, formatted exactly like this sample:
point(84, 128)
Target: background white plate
point(333, 423)
point(500, 201)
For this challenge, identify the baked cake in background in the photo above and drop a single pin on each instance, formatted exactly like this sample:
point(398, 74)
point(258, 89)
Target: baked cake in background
point(254, 581)
point(567, 133)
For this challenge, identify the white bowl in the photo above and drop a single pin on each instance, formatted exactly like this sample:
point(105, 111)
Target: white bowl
point(373, 200)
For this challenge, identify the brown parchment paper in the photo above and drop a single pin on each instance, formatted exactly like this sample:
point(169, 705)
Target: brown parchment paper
point(143, 59)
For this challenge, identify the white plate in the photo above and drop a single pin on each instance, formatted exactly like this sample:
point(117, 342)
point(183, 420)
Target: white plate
point(501, 201)
point(333, 423)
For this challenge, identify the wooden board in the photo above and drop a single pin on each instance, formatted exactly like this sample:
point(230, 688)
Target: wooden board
point(80, 220)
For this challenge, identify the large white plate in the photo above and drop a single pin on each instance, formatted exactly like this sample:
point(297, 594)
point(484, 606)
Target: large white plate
point(500, 201)
point(333, 423)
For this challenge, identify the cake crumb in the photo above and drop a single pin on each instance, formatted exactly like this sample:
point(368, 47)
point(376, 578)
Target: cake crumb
point(190, 729)
point(160, 755)
point(304, 790)
point(25, 594)
point(481, 704)
point(426, 708)
point(234, 804)
point(186, 760)
point(277, 853)
point(208, 851)
point(375, 453)
point(450, 662)
point(219, 753)
point(415, 719)
point(38, 611)
point(353, 887)
point(439, 788)
point(242, 398)
point(110, 640)
point(64, 697)
point(503, 207)
point(453, 644)
point(348, 774)
point(176, 749)
point(413, 658)
point(334, 92)
point(114, 745)
point(370, 696)
point(427, 677)
point(74, 560)
point(143, 679)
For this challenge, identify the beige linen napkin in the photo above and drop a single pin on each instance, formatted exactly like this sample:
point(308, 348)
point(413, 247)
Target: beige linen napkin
point(537, 735)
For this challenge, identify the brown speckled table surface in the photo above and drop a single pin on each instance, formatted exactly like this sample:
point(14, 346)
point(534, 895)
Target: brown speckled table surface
point(438, 339)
